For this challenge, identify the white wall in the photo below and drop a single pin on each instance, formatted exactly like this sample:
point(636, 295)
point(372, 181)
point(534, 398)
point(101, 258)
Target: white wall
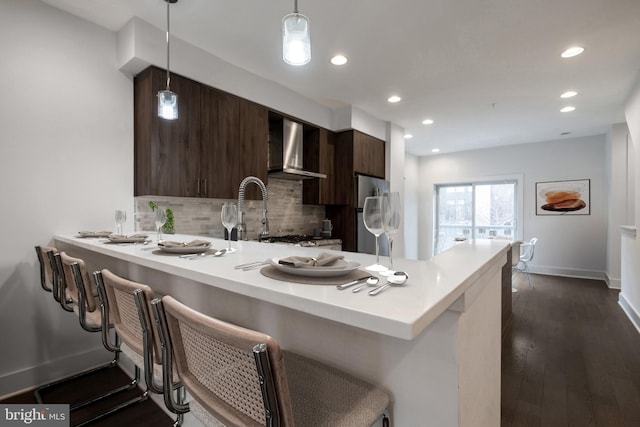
point(632, 114)
point(617, 197)
point(567, 245)
point(411, 235)
point(395, 174)
point(66, 161)
point(630, 292)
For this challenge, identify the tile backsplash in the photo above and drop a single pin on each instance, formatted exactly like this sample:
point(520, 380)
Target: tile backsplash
point(200, 216)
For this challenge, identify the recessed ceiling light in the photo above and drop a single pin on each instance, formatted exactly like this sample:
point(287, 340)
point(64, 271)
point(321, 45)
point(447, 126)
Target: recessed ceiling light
point(568, 109)
point(569, 94)
point(408, 136)
point(435, 150)
point(394, 98)
point(427, 122)
point(572, 51)
point(339, 60)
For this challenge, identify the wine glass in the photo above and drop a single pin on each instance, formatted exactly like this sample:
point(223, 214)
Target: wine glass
point(160, 217)
point(373, 221)
point(391, 213)
point(121, 218)
point(229, 217)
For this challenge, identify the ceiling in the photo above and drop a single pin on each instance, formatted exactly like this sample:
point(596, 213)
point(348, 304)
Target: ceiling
point(488, 72)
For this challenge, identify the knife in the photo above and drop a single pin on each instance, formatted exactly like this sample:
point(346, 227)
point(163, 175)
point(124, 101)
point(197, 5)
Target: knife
point(250, 264)
point(354, 282)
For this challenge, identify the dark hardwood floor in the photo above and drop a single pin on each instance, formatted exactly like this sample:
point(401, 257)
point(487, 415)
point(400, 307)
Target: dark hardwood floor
point(570, 358)
point(146, 413)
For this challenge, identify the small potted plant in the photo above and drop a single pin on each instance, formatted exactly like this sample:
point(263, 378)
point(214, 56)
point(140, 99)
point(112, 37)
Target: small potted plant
point(169, 225)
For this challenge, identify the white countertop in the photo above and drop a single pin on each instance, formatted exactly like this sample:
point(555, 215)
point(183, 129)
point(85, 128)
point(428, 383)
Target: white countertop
point(628, 230)
point(402, 312)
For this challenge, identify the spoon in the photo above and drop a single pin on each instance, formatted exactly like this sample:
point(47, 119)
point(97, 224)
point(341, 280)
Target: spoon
point(371, 281)
point(398, 279)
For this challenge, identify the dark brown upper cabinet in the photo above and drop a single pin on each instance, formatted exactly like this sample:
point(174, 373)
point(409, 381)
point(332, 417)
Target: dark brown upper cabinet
point(356, 153)
point(166, 152)
point(368, 155)
point(319, 155)
point(217, 140)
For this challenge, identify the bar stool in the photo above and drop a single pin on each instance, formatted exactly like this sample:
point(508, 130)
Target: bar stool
point(75, 288)
point(60, 291)
point(127, 305)
point(46, 272)
point(241, 377)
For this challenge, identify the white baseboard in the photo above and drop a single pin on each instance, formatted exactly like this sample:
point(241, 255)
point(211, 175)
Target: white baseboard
point(568, 272)
point(614, 283)
point(630, 311)
point(34, 376)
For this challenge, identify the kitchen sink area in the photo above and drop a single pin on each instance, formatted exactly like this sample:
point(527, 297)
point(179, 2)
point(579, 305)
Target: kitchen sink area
point(305, 241)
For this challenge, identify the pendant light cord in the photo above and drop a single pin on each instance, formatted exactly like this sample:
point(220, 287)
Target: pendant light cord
point(295, 6)
point(168, 77)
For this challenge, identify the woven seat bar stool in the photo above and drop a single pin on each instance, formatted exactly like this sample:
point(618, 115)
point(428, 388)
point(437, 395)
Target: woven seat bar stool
point(50, 275)
point(241, 377)
point(62, 293)
point(46, 272)
point(127, 305)
point(75, 287)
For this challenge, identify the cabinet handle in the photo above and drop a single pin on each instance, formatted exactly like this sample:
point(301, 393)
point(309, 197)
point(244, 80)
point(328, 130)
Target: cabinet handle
point(198, 187)
point(206, 189)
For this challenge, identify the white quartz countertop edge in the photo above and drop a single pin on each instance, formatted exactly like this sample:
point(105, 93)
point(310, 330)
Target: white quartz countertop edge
point(628, 230)
point(401, 312)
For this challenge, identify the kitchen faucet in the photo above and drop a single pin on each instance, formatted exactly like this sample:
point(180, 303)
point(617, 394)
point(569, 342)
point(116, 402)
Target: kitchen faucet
point(242, 227)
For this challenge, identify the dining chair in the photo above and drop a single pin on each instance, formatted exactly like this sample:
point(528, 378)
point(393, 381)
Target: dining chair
point(241, 377)
point(527, 250)
point(126, 305)
point(76, 289)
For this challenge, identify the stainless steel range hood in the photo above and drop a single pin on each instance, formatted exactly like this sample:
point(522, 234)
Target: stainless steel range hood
point(286, 151)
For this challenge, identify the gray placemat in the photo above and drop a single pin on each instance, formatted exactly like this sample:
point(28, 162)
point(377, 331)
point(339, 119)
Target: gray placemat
point(274, 273)
point(160, 252)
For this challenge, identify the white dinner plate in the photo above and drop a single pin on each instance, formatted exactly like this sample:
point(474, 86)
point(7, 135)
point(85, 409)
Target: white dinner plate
point(185, 249)
point(340, 267)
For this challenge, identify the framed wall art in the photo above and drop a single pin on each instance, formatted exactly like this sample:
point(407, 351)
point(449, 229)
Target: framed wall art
point(563, 197)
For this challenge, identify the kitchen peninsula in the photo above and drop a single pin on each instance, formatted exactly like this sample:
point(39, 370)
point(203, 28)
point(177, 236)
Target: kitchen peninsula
point(433, 343)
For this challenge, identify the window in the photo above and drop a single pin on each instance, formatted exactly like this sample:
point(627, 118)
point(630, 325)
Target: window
point(476, 210)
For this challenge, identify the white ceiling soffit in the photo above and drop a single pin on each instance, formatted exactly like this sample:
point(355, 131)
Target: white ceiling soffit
point(488, 72)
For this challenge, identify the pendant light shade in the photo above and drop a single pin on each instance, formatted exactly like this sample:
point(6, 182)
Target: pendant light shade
point(296, 38)
point(167, 100)
point(167, 104)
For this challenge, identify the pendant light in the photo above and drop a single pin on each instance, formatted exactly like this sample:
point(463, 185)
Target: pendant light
point(167, 100)
point(296, 39)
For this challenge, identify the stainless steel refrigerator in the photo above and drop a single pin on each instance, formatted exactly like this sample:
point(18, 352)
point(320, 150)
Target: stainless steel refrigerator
point(365, 241)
